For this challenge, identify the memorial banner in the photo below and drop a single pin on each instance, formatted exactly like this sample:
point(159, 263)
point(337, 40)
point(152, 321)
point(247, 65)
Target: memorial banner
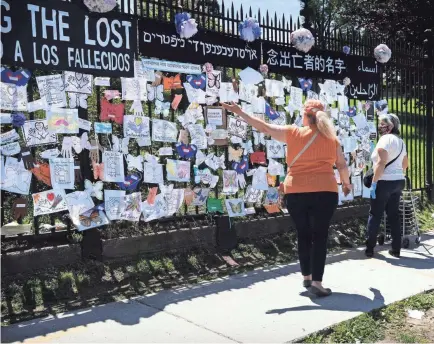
point(364, 72)
point(160, 40)
point(59, 35)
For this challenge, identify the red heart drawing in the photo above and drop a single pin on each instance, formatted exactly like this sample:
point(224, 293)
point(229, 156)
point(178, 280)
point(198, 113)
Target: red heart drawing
point(50, 196)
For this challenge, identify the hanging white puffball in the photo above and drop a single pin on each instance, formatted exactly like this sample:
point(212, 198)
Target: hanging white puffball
point(249, 30)
point(302, 39)
point(186, 27)
point(382, 53)
point(100, 6)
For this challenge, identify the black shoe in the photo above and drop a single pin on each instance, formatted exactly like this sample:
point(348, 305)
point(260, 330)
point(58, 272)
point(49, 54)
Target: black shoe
point(318, 292)
point(307, 283)
point(369, 253)
point(395, 254)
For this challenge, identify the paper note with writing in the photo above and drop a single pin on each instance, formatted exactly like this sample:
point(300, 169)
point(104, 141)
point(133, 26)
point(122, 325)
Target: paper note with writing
point(237, 127)
point(52, 90)
point(78, 82)
point(134, 89)
point(36, 133)
point(357, 185)
point(350, 144)
point(296, 97)
point(62, 121)
point(274, 88)
point(214, 116)
point(343, 103)
point(195, 95)
point(177, 170)
point(84, 124)
point(113, 166)
point(131, 207)
point(102, 81)
point(16, 178)
point(10, 149)
point(175, 200)
point(113, 201)
point(137, 127)
point(275, 149)
point(259, 180)
point(247, 92)
point(198, 135)
point(153, 173)
point(5, 118)
point(12, 97)
point(36, 105)
point(9, 136)
point(164, 131)
point(62, 173)
point(227, 93)
point(48, 202)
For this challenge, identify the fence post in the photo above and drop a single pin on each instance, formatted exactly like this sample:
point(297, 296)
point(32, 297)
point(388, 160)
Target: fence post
point(429, 134)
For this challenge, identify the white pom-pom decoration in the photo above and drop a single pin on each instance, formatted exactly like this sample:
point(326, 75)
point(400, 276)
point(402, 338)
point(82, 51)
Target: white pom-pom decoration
point(249, 29)
point(382, 53)
point(302, 39)
point(185, 25)
point(100, 6)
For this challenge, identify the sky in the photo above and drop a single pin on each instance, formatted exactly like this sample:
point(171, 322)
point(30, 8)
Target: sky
point(287, 7)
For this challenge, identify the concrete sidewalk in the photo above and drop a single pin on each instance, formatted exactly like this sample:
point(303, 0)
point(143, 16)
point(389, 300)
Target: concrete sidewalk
point(265, 305)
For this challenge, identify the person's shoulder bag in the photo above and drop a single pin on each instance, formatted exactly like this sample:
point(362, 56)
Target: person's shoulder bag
point(367, 179)
point(304, 149)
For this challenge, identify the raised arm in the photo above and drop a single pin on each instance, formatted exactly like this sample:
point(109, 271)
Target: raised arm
point(277, 132)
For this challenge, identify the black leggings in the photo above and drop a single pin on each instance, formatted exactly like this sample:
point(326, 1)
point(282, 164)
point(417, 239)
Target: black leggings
point(312, 213)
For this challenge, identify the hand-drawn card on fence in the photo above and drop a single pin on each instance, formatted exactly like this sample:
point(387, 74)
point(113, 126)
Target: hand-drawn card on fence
point(102, 81)
point(17, 179)
point(274, 88)
point(62, 173)
point(78, 82)
point(153, 173)
point(12, 97)
point(137, 127)
point(230, 182)
point(357, 185)
point(247, 92)
point(92, 218)
point(213, 115)
point(259, 180)
point(175, 200)
point(52, 90)
point(195, 95)
point(9, 136)
point(177, 170)
point(78, 202)
point(350, 144)
point(296, 97)
point(213, 81)
point(131, 207)
point(134, 89)
point(164, 131)
point(48, 202)
point(156, 210)
point(237, 127)
point(235, 207)
point(36, 133)
point(113, 166)
point(200, 196)
point(272, 195)
point(62, 121)
point(252, 195)
point(227, 93)
point(10, 149)
point(275, 149)
point(113, 202)
point(198, 136)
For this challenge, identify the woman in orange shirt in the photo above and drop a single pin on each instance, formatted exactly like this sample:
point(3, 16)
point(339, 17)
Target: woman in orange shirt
point(310, 186)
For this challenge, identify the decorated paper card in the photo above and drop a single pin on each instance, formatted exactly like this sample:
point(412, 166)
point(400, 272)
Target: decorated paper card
point(62, 173)
point(164, 131)
point(16, 178)
point(195, 95)
point(177, 170)
point(230, 182)
point(134, 89)
point(275, 149)
point(62, 121)
point(78, 202)
point(113, 166)
point(48, 202)
point(113, 202)
point(137, 127)
point(36, 133)
point(174, 201)
point(52, 90)
point(9, 136)
point(103, 128)
point(235, 207)
point(131, 207)
point(227, 93)
point(13, 98)
point(356, 180)
point(153, 173)
point(92, 218)
point(247, 92)
point(198, 136)
point(274, 88)
point(259, 181)
point(78, 82)
point(272, 195)
point(237, 127)
point(296, 97)
point(10, 149)
point(102, 81)
point(213, 81)
point(200, 196)
point(252, 195)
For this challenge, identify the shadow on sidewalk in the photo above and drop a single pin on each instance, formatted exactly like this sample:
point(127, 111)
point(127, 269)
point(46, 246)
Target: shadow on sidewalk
point(338, 302)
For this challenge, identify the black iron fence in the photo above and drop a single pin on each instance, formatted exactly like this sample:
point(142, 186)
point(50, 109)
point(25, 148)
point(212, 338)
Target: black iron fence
point(407, 86)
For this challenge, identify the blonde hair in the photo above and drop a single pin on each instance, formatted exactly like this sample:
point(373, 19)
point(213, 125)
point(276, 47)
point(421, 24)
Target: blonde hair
point(314, 111)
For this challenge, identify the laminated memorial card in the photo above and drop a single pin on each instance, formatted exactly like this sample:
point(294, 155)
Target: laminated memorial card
point(62, 173)
point(48, 202)
point(36, 133)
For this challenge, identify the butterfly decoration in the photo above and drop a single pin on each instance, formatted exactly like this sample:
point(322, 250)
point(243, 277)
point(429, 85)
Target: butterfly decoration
point(258, 158)
point(235, 154)
point(305, 84)
point(94, 189)
point(214, 80)
point(215, 162)
point(42, 173)
point(200, 195)
point(131, 182)
point(258, 138)
point(162, 108)
point(135, 162)
point(229, 179)
point(286, 84)
point(89, 217)
point(19, 78)
point(77, 100)
point(186, 150)
point(248, 147)
point(133, 205)
point(158, 79)
point(270, 112)
point(112, 112)
point(236, 207)
point(172, 82)
point(155, 93)
point(137, 128)
point(352, 111)
point(120, 145)
point(98, 170)
point(197, 81)
point(176, 100)
point(242, 166)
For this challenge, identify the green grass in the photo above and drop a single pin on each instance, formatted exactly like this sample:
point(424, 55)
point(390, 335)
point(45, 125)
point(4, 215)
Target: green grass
point(376, 325)
point(425, 217)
